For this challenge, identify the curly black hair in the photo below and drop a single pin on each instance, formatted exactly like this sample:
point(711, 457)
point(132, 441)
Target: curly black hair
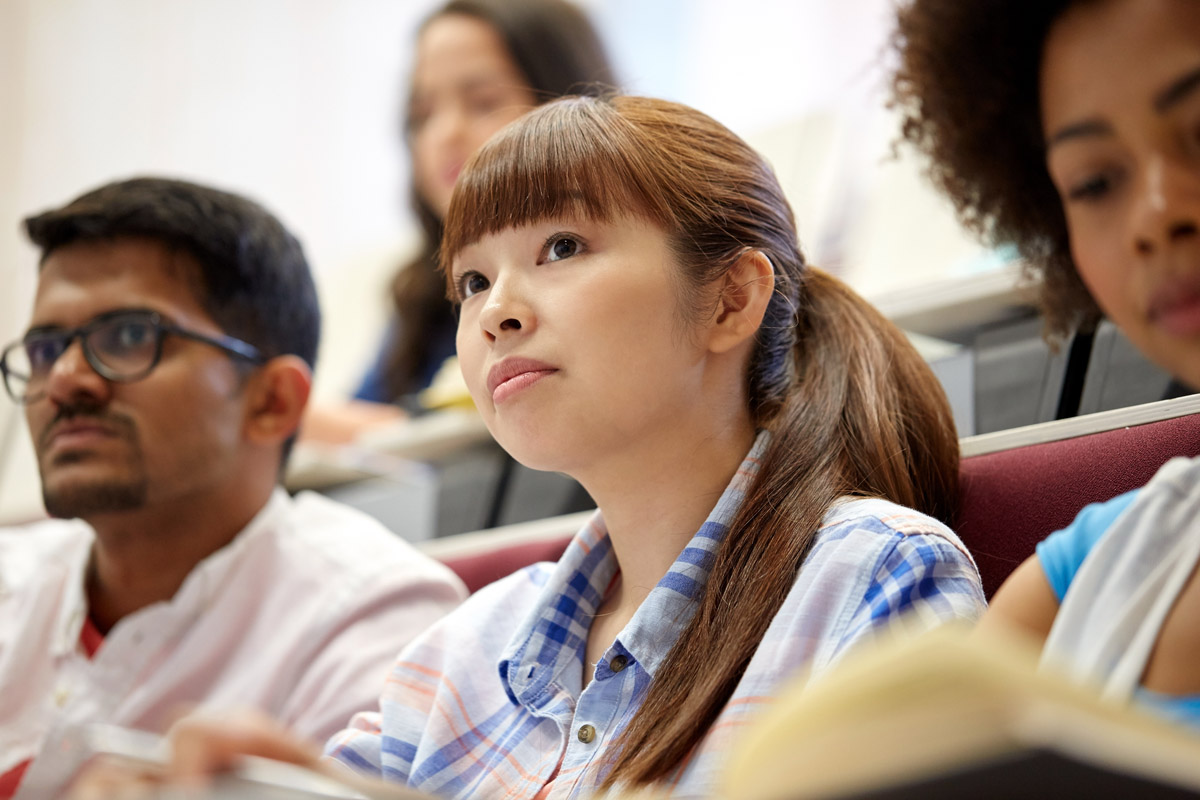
point(967, 92)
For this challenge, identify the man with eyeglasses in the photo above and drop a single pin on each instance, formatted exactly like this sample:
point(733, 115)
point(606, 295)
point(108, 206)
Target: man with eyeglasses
point(163, 375)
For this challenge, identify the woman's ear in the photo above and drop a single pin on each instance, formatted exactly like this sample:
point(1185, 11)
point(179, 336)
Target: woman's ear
point(276, 396)
point(746, 291)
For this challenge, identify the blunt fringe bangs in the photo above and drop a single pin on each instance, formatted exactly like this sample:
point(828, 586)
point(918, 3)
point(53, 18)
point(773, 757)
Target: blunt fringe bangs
point(852, 407)
point(572, 157)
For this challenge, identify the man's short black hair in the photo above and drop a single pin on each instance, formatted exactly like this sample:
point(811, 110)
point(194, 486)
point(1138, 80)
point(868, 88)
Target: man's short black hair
point(253, 281)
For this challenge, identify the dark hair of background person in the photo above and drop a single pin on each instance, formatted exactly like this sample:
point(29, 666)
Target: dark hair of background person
point(253, 278)
point(559, 53)
point(853, 409)
point(968, 93)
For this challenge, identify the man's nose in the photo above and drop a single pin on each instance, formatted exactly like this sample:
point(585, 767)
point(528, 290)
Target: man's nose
point(71, 378)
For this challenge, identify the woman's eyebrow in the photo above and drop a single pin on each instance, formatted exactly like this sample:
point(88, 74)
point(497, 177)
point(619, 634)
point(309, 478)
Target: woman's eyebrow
point(1180, 89)
point(1089, 127)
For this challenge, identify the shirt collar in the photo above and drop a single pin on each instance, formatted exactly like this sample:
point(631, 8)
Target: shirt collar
point(549, 643)
point(195, 594)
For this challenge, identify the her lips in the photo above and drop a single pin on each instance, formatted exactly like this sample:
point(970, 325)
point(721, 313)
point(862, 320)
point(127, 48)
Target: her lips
point(1176, 308)
point(514, 374)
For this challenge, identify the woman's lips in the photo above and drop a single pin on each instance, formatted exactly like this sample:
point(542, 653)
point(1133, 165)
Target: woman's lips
point(513, 375)
point(518, 383)
point(1176, 308)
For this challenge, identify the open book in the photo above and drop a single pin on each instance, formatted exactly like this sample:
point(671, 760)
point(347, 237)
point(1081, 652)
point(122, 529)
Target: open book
point(945, 715)
point(951, 715)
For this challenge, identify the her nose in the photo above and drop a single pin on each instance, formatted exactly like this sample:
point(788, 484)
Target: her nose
point(1166, 207)
point(446, 125)
point(507, 310)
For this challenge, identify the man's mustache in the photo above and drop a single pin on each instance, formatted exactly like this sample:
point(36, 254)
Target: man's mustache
point(120, 424)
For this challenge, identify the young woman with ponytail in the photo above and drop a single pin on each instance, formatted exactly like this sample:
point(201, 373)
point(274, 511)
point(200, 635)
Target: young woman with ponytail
point(769, 455)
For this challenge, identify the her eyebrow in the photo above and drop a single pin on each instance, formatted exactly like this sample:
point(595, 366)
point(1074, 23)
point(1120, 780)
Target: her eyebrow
point(1179, 90)
point(1176, 92)
point(1090, 127)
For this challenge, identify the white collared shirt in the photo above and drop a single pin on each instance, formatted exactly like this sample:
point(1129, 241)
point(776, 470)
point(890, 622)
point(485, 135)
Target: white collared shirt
point(300, 616)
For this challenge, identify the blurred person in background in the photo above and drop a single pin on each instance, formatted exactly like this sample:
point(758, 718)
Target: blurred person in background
point(480, 64)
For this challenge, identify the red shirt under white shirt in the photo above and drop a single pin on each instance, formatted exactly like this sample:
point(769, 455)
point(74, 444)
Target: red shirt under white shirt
point(90, 639)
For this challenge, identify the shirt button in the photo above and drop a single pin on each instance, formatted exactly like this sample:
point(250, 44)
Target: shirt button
point(618, 663)
point(61, 696)
point(586, 734)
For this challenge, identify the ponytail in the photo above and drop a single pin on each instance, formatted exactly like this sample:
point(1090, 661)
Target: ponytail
point(852, 408)
point(865, 417)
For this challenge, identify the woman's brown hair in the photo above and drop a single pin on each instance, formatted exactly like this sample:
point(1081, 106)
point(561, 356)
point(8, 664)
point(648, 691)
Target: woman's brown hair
point(852, 408)
point(558, 52)
point(968, 96)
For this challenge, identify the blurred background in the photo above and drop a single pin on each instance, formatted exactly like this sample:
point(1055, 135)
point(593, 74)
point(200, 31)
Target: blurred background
point(296, 103)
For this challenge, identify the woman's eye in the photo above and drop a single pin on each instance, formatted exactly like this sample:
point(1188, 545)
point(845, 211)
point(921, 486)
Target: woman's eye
point(481, 105)
point(471, 283)
point(559, 247)
point(418, 114)
point(1091, 188)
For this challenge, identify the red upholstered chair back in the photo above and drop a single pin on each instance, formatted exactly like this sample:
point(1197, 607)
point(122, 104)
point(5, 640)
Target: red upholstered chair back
point(479, 569)
point(481, 557)
point(1017, 488)
point(1013, 497)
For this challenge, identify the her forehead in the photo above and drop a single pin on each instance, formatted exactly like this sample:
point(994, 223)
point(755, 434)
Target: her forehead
point(461, 50)
point(1145, 43)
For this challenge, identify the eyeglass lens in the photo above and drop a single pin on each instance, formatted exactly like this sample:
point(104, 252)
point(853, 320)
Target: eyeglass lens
point(119, 348)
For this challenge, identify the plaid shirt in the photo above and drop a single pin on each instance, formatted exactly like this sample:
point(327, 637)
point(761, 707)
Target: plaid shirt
point(488, 703)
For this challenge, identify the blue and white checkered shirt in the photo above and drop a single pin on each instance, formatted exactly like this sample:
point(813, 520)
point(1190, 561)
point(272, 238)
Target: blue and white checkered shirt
point(489, 702)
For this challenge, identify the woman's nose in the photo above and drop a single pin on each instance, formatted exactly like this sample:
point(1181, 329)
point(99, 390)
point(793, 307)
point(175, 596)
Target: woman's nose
point(1166, 207)
point(506, 310)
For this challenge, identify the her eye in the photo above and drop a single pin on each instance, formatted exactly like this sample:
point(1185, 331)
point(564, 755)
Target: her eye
point(560, 246)
point(482, 105)
point(1091, 188)
point(470, 283)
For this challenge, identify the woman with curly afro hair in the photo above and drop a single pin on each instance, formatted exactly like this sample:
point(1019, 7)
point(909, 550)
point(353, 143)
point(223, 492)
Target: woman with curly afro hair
point(1072, 129)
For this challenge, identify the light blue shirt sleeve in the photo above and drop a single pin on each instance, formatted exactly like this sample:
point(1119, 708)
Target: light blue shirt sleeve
point(1062, 552)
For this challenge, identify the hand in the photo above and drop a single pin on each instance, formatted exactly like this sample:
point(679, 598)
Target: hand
point(202, 746)
point(113, 779)
point(205, 744)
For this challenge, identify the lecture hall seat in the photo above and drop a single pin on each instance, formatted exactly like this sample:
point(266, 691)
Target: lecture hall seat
point(1018, 486)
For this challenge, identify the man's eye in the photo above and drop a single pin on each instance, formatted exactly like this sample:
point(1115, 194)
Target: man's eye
point(132, 335)
point(42, 353)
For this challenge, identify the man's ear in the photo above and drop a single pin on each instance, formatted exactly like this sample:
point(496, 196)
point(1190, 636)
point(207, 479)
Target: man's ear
point(745, 292)
point(276, 396)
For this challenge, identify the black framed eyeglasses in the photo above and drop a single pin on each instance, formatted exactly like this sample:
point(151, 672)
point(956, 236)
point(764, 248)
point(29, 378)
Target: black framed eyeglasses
point(121, 346)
